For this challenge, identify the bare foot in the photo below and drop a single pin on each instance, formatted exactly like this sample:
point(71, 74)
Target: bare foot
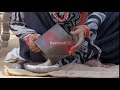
point(95, 63)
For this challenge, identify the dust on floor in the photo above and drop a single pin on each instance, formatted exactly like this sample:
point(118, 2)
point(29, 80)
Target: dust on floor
point(13, 42)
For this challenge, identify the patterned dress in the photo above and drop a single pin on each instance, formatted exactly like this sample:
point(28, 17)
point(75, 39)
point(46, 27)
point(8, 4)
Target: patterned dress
point(88, 49)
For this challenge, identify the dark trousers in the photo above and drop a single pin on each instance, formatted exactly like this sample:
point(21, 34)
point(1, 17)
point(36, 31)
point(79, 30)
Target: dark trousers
point(107, 39)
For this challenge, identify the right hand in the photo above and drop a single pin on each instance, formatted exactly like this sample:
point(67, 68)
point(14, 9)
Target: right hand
point(32, 46)
point(80, 33)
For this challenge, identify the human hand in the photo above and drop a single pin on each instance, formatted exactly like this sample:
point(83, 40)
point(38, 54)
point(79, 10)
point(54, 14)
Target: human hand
point(32, 46)
point(80, 33)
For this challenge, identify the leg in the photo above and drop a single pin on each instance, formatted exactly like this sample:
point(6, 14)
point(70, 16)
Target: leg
point(6, 34)
point(33, 20)
point(27, 54)
point(108, 41)
point(108, 38)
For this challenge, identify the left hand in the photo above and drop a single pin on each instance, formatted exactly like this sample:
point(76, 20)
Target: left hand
point(80, 33)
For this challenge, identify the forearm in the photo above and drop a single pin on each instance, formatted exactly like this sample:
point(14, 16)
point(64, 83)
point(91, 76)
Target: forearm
point(94, 20)
point(18, 26)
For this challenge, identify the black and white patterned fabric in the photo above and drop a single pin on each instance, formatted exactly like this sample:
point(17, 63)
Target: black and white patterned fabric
point(88, 49)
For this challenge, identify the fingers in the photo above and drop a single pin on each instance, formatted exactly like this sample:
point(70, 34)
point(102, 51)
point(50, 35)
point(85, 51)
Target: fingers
point(36, 50)
point(31, 43)
point(80, 41)
point(72, 50)
point(37, 36)
point(34, 37)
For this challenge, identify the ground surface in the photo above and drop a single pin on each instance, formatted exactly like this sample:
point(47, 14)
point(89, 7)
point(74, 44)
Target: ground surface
point(13, 42)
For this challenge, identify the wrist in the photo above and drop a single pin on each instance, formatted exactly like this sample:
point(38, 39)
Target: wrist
point(27, 39)
point(85, 29)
